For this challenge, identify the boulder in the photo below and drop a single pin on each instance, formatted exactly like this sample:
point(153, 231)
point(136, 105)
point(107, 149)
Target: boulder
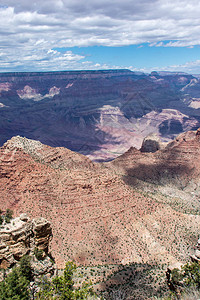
point(152, 143)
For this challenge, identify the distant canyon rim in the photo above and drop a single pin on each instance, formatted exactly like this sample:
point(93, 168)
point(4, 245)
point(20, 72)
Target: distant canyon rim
point(100, 114)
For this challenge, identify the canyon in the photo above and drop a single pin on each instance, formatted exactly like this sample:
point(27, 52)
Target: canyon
point(118, 212)
point(100, 114)
point(111, 159)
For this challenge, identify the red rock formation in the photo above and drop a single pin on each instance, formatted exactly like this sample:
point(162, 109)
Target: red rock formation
point(96, 217)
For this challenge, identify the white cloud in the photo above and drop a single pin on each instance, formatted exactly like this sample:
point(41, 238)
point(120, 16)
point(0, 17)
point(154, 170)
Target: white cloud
point(42, 60)
point(192, 67)
point(32, 28)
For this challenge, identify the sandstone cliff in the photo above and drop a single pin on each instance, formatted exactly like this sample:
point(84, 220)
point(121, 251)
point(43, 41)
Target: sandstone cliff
point(23, 236)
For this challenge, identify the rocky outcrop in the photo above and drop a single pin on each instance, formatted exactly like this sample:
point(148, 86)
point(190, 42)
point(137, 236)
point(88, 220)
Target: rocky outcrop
point(23, 236)
point(173, 172)
point(152, 143)
point(42, 232)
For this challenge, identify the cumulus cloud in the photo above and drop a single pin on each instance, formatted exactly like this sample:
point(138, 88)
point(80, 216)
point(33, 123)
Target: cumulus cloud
point(191, 66)
point(42, 60)
point(33, 28)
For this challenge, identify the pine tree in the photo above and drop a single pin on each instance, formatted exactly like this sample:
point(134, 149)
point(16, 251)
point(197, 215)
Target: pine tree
point(15, 286)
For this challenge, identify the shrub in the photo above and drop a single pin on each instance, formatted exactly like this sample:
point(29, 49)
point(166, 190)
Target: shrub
point(39, 253)
point(191, 274)
point(25, 267)
point(182, 281)
point(8, 215)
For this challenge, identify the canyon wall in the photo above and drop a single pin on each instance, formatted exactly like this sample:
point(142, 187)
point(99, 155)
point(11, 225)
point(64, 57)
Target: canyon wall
point(97, 113)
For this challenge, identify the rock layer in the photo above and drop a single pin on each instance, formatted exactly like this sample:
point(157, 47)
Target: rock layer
point(173, 171)
point(177, 163)
point(21, 237)
point(96, 217)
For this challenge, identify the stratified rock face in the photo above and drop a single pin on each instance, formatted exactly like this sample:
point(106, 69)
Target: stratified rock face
point(42, 232)
point(21, 236)
point(96, 217)
point(97, 113)
point(175, 170)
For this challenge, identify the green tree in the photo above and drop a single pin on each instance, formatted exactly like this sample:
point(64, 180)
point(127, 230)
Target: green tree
point(182, 281)
point(84, 291)
point(39, 253)
point(46, 289)
point(25, 268)
point(191, 274)
point(14, 287)
point(62, 287)
point(176, 276)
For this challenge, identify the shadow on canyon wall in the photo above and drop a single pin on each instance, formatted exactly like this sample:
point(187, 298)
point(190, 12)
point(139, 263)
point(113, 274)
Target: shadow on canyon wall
point(170, 166)
point(134, 281)
point(70, 119)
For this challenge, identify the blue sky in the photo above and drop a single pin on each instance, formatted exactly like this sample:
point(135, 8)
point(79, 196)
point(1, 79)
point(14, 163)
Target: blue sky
point(146, 35)
point(141, 57)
